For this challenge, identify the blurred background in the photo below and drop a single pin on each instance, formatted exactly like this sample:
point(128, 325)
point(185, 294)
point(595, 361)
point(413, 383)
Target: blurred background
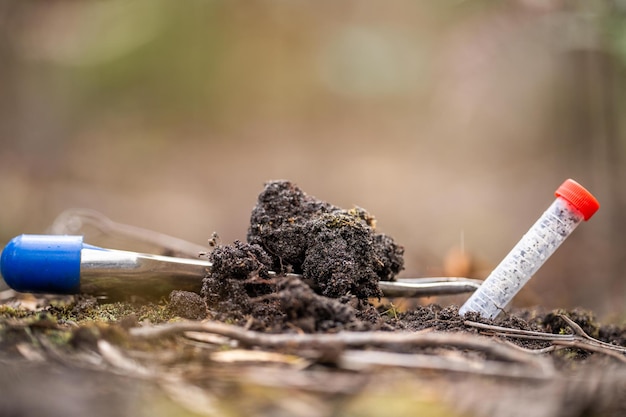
point(452, 122)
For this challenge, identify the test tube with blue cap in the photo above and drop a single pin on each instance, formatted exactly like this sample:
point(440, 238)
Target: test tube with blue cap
point(57, 264)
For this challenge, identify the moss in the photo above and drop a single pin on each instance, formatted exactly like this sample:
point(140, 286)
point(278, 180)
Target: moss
point(85, 310)
point(7, 312)
point(392, 311)
point(59, 337)
point(340, 220)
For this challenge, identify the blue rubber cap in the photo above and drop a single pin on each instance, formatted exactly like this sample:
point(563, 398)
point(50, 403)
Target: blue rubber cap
point(42, 264)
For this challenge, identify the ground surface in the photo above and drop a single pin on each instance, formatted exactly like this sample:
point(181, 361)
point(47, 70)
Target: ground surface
point(62, 357)
point(315, 342)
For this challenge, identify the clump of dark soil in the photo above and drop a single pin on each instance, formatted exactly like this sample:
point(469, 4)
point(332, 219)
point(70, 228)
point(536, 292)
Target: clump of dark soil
point(239, 272)
point(239, 289)
point(338, 250)
point(340, 256)
point(240, 260)
point(312, 312)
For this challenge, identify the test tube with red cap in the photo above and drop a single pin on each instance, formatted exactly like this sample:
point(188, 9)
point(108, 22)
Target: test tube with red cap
point(572, 205)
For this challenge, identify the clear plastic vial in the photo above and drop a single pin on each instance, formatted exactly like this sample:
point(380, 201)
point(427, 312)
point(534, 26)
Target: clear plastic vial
point(572, 205)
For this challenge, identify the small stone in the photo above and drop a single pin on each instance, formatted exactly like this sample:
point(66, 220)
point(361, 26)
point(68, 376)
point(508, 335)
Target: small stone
point(187, 305)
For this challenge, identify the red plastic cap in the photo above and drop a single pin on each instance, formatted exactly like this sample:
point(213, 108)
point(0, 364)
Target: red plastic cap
point(579, 197)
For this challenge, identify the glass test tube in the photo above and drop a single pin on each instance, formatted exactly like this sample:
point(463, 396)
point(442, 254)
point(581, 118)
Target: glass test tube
point(572, 205)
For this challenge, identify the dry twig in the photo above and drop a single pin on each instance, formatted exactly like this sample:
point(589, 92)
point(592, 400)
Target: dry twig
point(365, 359)
point(578, 340)
point(246, 337)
